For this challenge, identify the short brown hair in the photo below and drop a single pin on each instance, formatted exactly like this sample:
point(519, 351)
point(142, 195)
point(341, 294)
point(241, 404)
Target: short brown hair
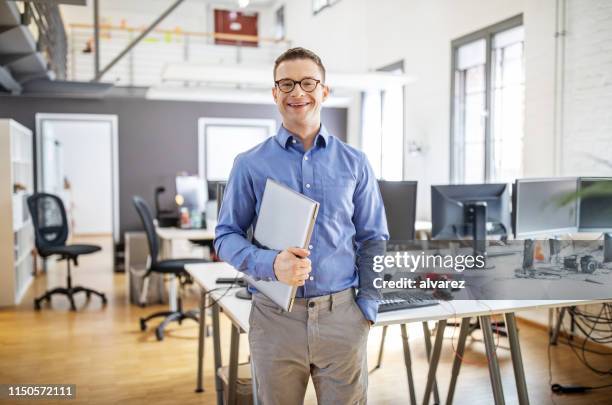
point(299, 53)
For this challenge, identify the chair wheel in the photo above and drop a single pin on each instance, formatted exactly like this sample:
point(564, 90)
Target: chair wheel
point(143, 325)
point(36, 305)
point(159, 335)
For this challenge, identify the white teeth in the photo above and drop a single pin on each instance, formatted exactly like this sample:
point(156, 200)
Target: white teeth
point(297, 104)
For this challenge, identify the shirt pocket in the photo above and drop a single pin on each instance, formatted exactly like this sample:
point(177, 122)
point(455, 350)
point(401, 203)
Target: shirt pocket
point(338, 198)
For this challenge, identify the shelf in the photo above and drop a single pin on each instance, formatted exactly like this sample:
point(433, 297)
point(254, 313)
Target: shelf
point(16, 233)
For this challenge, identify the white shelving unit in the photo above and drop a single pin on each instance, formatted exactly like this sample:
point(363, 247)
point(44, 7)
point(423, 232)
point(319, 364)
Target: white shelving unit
point(16, 232)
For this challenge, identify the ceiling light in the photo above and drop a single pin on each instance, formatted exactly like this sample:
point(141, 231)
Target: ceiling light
point(243, 3)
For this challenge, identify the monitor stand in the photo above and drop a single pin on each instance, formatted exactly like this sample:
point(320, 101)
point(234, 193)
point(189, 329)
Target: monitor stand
point(244, 294)
point(476, 214)
point(607, 248)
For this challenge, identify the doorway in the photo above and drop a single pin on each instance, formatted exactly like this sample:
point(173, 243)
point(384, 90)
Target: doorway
point(77, 159)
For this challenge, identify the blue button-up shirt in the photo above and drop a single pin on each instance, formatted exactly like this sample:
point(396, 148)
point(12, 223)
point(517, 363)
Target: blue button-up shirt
point(351, 211)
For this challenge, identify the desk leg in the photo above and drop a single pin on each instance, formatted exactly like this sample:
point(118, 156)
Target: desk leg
point(463, 333)
point(380, 350)
point(434, 360)
point(217, 350)
point(408, 363)
point(166, 253)
point(233, 365)
point(496, 384)
point(517, 359)
point(201, 336)
point(427, 336)
point(557, 329)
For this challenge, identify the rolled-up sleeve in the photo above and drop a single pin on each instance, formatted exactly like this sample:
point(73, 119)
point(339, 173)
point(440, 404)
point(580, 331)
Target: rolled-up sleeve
point(236, 216)
point(370, 223)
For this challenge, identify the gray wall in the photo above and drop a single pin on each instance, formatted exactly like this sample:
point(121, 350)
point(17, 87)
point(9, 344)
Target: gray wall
point(157, 139)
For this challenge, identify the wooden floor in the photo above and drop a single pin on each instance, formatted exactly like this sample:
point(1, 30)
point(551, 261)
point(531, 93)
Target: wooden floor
point(103, 352)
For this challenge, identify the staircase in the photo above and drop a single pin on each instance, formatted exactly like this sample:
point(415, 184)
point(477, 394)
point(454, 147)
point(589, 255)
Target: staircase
point(32, 66)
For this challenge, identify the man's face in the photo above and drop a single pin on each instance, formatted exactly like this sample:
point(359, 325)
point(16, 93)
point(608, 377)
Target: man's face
point(298, 106)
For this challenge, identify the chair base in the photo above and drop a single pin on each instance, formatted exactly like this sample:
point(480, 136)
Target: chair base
point(69, 292)
point(170, 316)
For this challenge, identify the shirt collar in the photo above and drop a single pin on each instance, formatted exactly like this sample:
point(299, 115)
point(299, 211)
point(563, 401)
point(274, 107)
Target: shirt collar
point(284, 136)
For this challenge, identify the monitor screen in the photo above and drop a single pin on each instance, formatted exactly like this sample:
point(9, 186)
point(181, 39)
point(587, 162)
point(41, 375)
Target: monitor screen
point(225, 142)
point(399, 198)
point(539, 209)
point(595, 213)
point(194, 192)
point(449, 205)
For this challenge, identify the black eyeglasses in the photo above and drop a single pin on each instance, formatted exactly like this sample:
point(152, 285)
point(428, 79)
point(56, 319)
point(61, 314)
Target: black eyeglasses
point(307, 84)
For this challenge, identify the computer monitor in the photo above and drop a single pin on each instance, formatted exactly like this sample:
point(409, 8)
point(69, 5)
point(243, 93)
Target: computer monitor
point(475, 210)
point(539, 209)
point(193, 191)
point(399, 199)
point(595, 204)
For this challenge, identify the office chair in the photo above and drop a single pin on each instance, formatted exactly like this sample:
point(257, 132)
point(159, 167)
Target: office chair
point(174, 267)
point(51, 232)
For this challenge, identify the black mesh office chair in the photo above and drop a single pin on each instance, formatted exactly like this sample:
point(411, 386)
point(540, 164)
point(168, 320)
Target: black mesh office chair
point(175, 267)
point(51, 232)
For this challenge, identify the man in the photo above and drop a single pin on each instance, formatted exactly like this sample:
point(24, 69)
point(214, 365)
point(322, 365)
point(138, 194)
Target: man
point(325, 334)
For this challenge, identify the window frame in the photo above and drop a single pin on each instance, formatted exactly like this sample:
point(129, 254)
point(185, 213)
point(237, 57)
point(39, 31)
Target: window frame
point(398, 65)
point(487, 34)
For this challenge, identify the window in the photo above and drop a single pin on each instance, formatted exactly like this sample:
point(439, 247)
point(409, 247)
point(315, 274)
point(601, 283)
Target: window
point(383, 128)
point(488, 104)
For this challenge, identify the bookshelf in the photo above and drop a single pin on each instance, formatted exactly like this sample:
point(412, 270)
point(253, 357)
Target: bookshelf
point(16, 232)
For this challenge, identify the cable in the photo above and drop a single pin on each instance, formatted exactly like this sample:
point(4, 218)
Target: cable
point(550, 383)
point(582, 357)
point(575, 389)
point(227, 289)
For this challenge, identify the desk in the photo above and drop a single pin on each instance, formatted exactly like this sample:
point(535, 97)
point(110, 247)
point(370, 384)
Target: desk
point(167, 237)
point(237, 310)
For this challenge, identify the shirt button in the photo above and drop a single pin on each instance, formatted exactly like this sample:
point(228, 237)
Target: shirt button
point(305, 157)
point(311, 304)
point(294, 141)
point(310, 247)
point(307, 185)
point(311, 278)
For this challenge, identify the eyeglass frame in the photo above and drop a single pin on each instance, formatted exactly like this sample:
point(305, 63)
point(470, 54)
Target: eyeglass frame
point(276, 83)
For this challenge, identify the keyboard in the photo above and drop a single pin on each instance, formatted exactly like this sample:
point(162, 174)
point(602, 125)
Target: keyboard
point(396, 300)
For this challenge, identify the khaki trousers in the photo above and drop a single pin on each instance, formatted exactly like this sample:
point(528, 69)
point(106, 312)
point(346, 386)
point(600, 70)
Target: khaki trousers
point(323, 337)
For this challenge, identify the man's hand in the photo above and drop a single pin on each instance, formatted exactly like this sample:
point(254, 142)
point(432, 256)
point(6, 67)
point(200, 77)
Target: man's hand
point(292, 266)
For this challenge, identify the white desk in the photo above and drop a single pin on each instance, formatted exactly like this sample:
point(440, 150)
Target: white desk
point(167, 237)
point(237, 310)
point(172, 233)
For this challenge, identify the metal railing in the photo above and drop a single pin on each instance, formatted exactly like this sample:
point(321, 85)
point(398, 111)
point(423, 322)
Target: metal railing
point(144, 64)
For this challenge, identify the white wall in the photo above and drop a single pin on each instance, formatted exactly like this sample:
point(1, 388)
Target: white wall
point(587, 124)
point(420, 32)
point(87, 161)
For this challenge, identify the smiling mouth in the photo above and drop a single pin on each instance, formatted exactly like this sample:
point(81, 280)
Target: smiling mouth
point(298, 105)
